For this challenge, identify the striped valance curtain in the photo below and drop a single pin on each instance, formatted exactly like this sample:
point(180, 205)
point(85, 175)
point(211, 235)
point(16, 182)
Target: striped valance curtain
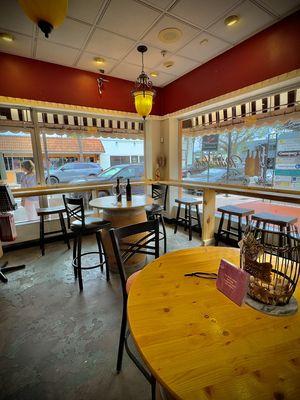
point(16, 119)
point(278, 108)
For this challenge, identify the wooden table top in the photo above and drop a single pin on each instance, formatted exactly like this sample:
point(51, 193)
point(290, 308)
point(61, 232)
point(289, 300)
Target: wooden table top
point(110, 202)
point(199, 344)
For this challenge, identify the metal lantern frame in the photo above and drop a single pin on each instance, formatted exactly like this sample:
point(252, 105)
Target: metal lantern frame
point(143, 83)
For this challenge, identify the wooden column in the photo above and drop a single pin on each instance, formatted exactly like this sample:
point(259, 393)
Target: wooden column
point(209, 208)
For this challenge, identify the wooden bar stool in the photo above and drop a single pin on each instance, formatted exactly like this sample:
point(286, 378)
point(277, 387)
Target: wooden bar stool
point(224, 234)
point(42, 213)
point(188, 203)
point(270, 222)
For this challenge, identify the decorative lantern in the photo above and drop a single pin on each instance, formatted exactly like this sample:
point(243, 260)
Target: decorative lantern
point(143, 92)
point(47, 14)
point(272, 258)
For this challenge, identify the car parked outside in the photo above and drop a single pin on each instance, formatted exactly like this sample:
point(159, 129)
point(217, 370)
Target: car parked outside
point(134, 172)
point(69, 171)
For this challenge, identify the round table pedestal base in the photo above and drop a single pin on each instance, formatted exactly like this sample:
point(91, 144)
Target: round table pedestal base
point(119, 218)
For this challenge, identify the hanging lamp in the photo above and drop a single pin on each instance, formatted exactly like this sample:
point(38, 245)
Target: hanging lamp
point(143, 93)
point(47, 14)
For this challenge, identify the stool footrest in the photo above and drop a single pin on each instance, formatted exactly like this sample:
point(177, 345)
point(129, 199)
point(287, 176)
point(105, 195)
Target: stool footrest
point(74, 264)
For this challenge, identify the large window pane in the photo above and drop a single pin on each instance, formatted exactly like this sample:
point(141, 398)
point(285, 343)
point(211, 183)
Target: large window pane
point(16, 149)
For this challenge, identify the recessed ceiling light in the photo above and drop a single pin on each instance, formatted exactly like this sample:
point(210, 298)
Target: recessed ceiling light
point(203, 41)
point(154, 74)
point(168, 64)
point(231, 20)
point(99, 61)
point(7, 37)
point(169, 35)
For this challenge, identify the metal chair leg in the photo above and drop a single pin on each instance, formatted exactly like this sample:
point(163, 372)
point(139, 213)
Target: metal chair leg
point(164, 231)
point(64, 230)
point(190, 222)
point(122, 339)
point(177, 218)
point(42, 235)
point(74, 257)
point(100, 250)
point(79, 271)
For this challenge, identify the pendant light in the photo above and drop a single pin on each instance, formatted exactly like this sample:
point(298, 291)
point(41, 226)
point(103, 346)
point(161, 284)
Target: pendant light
point(143, 93)
point(47, 14)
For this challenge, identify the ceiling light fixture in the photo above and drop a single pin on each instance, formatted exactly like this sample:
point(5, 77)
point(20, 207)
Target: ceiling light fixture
point(7, 37)
point(154, 74)
point(47, 14)
point(99, 60)
point(143, 93)
point(168, 64)
point(231, 20)
point(203, 41)
point(169, 35)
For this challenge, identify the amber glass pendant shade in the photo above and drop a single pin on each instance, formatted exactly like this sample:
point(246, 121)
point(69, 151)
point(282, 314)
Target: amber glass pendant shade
point(47, 14)
point(143, 93)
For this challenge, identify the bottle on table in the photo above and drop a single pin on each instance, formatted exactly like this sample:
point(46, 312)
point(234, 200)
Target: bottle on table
point(128, 191)
point(118, 191)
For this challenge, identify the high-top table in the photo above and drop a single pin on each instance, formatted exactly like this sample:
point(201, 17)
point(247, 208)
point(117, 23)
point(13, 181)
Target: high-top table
point(200, 345)
point(122, 214)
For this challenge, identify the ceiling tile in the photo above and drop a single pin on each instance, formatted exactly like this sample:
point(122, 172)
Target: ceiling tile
point(180, 67)
point(128, 18)
point(162, 78)
point(126, 71)
point(108, 44)
point(151, 58)
point(168, 22)
point(70, 33)
point(252, 19)
point(21, 46)
point(87, 62)
point(280, 7)
point(13, 18)
point(78, 9)
point(206, 50)
point(159, 3)
point(55, 53)
point(202, 12)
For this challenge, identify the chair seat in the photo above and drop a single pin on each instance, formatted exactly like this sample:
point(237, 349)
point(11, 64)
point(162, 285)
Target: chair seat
point(50, 210)
point(130, 280)
point(234, 210)
point(274, 219)
point(154, 209)
point(91, 223)
point(188, 201)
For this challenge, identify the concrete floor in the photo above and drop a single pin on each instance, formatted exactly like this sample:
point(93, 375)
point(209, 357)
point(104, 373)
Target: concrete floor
point(57, 343)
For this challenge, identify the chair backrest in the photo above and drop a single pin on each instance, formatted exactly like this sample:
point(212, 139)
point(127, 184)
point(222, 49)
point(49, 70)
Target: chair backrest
point(74, 209)
point(124, 248)
point(160, 192)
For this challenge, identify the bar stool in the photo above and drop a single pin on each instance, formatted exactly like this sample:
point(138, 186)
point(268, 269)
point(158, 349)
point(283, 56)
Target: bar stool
point(42, 213)
point(157, 211)
point(188, 203)
point(224, 234)
point(269, 221)
point(82, 225)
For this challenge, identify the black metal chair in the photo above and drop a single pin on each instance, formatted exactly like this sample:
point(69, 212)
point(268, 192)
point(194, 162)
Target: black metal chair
point(157, 211)
point(123, 250)
point(80, 226)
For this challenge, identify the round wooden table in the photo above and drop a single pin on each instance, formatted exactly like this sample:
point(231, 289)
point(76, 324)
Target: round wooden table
point(122, 214)
point(200, 345)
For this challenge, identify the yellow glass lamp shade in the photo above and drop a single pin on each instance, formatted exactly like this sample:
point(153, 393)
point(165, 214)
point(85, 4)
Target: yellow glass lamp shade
point(48, 14)
point(143, 101)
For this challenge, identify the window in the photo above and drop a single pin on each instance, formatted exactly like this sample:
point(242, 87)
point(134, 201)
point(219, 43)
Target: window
point(257, 156)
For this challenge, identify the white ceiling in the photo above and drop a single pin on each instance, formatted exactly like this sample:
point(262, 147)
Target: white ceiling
point(112, 29)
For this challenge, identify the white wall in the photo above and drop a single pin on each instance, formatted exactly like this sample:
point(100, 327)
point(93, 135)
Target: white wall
point(120, 147)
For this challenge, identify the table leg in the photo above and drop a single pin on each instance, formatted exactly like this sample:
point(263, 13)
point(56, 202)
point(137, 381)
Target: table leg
point(209, 208)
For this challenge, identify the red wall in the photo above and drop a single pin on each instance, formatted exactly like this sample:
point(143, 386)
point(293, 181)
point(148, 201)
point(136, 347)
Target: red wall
point(272, 52)
point(38, 80)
